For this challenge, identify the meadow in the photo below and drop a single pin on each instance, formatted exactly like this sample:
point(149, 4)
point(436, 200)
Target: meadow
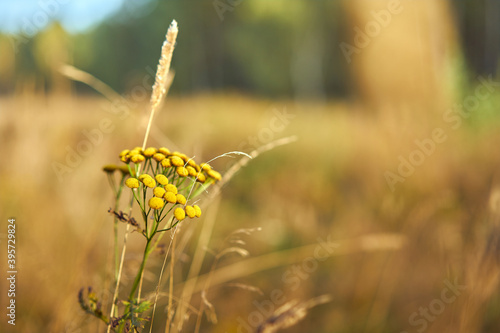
point(397, 223)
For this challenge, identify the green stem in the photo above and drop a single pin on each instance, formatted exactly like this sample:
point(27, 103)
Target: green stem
point(147, 251)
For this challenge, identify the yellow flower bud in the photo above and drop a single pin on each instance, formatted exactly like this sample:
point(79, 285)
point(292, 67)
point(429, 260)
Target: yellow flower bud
point(181, 199)
point(164, 151)
point(161, 179)
point(206, 167)
point(170, 197)
point(125, 158)
point(148, 152)
point(110, 168)
point(134, 151)
point(132, 183)
point(171, 188)
point(156, 203)
point(166, 163)
point(137, 158)
point(124, 152)
point(190, 211)
point(179, 214)
point(147, 180)
point(182, 171)
point(159, 157)
point(192, 163)
point(197, 210)
point(159, 192)
point(192, 171)
point(214, 174)
point(200, 178)
point(176, 161)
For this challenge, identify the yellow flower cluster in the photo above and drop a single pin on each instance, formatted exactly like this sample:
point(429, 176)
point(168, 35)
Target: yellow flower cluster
point(179, 162)
point(165, 193)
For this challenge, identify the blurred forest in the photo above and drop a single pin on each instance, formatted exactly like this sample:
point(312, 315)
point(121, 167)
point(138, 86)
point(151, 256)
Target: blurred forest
point(270, 48)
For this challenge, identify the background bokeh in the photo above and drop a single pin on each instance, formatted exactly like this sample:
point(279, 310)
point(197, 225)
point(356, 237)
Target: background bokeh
point(364, 86)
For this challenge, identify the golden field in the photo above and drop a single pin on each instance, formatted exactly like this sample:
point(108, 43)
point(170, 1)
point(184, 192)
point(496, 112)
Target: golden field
point(430, 243)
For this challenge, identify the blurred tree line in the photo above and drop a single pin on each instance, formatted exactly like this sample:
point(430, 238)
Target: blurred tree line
point(273, 48)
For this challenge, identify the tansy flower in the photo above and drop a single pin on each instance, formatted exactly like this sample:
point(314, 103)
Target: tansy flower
point(170, 197)
point(166, 163)
point(124, 152)
point(159, 192)
point(182, 171)
point(159, 157)
point(156, 203)
point(109, 168)
point(164, 151)
point(171, 188)
point(147, 180)
point(132, 183)
point(206, 167)
point(200, 178)
point(214, 174)
point(176, 161)
point(181, 199)
point(192, 171)
point(137, 158)
point(161, 179)
point(197, 209)
point(190, 211)
point(179, 214)
point(148, 152)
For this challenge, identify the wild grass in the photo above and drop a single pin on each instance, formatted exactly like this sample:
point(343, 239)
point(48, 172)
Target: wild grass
point(395, 248)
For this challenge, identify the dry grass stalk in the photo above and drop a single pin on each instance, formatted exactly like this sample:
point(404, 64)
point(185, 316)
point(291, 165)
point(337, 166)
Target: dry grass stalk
point(261, 263)
point(290, 314)
point(246, 287)
point(90, 80)
point(162, 79)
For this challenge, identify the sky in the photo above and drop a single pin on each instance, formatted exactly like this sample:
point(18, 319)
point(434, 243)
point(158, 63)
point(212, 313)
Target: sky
point(26, 17)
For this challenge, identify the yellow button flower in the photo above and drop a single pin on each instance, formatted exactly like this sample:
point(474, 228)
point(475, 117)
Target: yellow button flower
point(182, 171)
point(147, 180)
point(197, 210)
point(192, 171)
point(166, 163)
point(171, 188)
point(156, 203)
point(181, 199)
point(176, 161)
point(164, 151)
point(110, 168)
point(161, 179)
point(159, 192)
point(148, 152)
point(124, 152)
point(206, 167)
point(214, 174)
point(137, 158)
point(170, 197)
point(132, 183)
point(190, 211)
point(159, 157)
point(201, 178)
point(179, 214)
